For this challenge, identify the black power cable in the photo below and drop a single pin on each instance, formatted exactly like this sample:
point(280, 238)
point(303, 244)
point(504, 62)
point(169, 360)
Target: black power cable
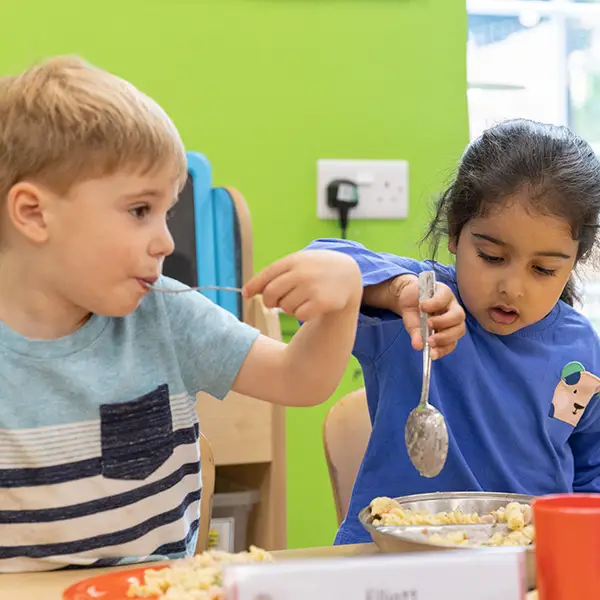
point(342, 195)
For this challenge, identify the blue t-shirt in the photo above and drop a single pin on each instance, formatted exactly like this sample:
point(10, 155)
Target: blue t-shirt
point(521, 409)
point(99, 457)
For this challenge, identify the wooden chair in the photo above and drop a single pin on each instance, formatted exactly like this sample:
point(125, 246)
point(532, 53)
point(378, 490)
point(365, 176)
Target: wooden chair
point(247, 436)
point(208, 490)
point(346, 432)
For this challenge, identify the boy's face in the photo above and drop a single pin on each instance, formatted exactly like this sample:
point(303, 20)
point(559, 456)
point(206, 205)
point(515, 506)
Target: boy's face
point(107, 238)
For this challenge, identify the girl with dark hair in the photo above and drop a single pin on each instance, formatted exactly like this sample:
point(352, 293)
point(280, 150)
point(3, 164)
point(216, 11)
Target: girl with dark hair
point(518, 375)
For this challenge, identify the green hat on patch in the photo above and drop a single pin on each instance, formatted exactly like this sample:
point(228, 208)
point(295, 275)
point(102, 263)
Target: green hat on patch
point(571, 369)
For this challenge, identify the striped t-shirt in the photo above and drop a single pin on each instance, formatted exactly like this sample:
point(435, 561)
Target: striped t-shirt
point(99, 457)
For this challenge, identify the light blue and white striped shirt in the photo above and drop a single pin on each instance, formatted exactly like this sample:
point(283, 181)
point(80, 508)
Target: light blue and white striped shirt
point(99, 460)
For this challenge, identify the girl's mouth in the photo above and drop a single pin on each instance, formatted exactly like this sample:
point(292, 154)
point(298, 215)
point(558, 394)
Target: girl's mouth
point(503, 315)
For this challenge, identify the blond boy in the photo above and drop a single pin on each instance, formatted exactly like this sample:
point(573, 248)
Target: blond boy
point(99, 458)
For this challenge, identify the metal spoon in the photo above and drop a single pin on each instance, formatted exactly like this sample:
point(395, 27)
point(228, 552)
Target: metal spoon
point(222, 288)
point(425, 433)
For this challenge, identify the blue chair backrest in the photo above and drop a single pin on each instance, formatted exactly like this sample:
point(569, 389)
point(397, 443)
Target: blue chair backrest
point(206, 232)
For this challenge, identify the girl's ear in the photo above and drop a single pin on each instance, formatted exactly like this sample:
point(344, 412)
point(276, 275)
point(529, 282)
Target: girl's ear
point(452, 243)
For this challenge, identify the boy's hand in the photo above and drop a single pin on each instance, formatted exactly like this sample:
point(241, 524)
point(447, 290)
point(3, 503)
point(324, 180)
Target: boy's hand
point(309, 284)
point(324, 289)
point(447, 318)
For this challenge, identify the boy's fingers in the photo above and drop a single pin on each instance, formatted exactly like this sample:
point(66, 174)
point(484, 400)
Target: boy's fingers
point(258, 283)
point(278, 288)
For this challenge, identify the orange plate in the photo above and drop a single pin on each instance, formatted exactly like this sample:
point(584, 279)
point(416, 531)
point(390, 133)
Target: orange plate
point(111, 586)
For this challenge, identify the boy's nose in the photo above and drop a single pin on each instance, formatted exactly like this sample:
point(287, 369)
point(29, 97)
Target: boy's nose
point(163, 244)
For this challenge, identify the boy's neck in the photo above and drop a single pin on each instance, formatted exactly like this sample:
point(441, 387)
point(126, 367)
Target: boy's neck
point(31, 308)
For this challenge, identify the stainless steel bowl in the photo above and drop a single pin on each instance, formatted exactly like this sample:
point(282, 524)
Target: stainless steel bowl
point(399, 539)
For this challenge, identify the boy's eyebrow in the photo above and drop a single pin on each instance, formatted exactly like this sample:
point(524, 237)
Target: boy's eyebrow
point(493, 240)
point(143, 194)
point(149, 193)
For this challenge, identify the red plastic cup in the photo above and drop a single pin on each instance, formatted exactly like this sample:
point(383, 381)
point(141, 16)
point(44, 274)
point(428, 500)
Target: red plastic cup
point(567, 546)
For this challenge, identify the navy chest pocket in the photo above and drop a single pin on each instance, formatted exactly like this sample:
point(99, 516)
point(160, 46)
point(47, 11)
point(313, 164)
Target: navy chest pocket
point(136, 436)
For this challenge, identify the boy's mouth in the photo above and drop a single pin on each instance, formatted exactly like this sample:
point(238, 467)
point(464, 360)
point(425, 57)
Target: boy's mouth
point(147, 283)
point(503, 315)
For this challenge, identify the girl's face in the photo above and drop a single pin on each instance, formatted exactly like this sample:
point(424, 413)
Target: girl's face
point(513, 264)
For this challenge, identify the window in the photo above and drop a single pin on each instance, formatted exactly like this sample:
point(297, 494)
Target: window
point(535, 58)
point(538, 59)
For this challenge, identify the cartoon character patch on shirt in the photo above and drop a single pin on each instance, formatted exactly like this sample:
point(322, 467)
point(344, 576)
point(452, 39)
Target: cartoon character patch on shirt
point(573, 393)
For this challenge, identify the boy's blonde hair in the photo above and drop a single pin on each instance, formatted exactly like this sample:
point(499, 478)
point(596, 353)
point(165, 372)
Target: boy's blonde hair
point(64, 121)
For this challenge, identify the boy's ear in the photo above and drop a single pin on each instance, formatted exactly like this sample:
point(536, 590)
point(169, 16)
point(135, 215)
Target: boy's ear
point(26, 208)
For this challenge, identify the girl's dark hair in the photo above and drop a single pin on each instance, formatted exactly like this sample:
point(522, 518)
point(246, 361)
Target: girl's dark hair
point(560, 169)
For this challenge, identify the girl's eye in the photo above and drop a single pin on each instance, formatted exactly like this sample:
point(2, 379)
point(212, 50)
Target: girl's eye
point(139, 212)
point(489, 258)
point(547, 272)
point(170, 213)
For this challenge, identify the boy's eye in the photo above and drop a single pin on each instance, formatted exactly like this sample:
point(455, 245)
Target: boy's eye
point(489, 258)
point(139, 212)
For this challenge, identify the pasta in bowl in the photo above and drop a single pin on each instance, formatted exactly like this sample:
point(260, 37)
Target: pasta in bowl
point(465, 520)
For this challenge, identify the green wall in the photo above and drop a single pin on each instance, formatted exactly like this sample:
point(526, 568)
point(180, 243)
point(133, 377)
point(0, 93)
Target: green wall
point(264, 88)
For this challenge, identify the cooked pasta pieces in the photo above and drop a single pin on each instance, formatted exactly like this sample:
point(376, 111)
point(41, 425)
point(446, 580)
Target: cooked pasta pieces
point(195, 578)
point(517, 517)
point(386, 511)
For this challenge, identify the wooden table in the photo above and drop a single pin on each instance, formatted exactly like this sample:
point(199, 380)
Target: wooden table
point(50, 585)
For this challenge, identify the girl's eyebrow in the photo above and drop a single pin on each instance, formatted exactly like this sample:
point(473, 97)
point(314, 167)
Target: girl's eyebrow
point(489, 238)
point(493, 240)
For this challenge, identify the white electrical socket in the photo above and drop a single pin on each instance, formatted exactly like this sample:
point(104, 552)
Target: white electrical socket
point(382, 187)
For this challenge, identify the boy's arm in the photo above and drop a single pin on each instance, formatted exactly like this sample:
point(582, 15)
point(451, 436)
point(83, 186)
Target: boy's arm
point(306, 371)
point(323, 289)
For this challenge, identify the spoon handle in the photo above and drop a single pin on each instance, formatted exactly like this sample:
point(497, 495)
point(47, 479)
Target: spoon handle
point(222, 288)
point(426, 291)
